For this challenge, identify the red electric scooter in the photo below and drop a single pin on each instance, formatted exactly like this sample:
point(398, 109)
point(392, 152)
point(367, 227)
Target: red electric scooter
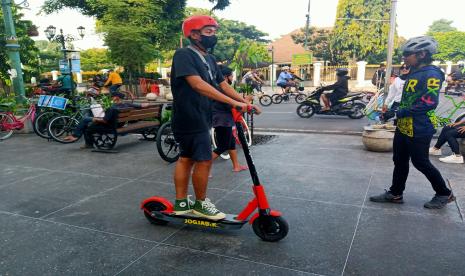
point(267, 224)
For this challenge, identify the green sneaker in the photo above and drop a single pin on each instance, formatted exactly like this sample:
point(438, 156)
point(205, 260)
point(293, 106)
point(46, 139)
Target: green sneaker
point(183, 206)
point(207, 210)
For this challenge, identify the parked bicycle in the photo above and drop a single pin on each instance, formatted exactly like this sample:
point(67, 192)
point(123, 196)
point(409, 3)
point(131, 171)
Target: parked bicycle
point(9, 122)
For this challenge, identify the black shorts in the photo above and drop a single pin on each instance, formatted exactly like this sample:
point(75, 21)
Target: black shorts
point(225, 139)
point(196, 146)
point(334, 98)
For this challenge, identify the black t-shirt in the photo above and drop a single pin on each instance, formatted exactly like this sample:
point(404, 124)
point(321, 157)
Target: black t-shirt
point(192, 112)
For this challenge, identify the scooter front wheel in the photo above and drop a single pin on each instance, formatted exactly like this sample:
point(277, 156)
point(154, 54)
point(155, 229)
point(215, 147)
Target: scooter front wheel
point(152, 206)
point(269, 228)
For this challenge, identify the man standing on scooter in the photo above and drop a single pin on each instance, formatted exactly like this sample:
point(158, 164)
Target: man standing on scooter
point(196, 80)
point(416, 124)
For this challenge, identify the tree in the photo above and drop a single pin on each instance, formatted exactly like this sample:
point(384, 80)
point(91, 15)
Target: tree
point(319, 42)
point(441, 26)
point(49, 54)
point(249, 53)
point(28, 51)
point(451, 46)
point(95, 59)
point(359, 39)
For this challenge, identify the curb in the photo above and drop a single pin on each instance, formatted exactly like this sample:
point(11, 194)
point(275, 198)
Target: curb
point(308, 131)
point(312, 131)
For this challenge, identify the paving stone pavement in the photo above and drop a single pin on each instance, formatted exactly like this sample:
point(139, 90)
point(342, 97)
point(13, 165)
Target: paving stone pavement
point(64, 211)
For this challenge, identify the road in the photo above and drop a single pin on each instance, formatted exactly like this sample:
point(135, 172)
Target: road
point(283, 117)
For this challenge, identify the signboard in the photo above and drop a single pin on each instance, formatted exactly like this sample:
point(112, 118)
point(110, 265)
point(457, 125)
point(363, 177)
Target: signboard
point(76, 65)
point(52, 101)
point(64, 66)
point(302, 59)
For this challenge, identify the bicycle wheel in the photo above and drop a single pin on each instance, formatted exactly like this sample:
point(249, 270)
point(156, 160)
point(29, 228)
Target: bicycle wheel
point(300, 98)
point(40, 123)
point(5, 126)
point(60, 127)
point(224, 155)
point(265, 100)
point(167, 146)
point(277, 99)
point(247, 133)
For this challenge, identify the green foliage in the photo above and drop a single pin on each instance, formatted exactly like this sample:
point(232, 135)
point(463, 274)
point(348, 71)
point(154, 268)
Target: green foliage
point(95, 59)
point(451, 46)
point(319, 42)
point(250, 53)
point(354, 39)
point(49, 53)
point(441, 26)
point(28, 51)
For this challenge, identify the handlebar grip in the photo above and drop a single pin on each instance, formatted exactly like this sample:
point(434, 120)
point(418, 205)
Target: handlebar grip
point(250, 109)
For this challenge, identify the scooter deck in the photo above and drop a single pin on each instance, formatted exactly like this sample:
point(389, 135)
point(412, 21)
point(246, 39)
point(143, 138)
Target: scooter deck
point(190, 219)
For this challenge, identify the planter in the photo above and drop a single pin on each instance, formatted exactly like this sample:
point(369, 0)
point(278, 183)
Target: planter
point(378, 140)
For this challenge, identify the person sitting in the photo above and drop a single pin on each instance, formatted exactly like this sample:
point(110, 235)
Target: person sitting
point(454, 78)
point(449, 134)
point(340, 89)
point(392, 102)
point(253, 79)
point(89, 124)
point(62, 85)
point(115, 80)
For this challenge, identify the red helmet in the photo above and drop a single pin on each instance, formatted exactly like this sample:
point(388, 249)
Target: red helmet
point(197, 22)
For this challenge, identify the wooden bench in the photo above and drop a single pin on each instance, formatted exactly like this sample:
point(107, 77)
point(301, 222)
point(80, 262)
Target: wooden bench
point(143, 121)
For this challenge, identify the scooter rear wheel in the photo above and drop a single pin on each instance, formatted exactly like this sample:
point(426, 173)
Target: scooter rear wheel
point(269, 228)
point(154, 206)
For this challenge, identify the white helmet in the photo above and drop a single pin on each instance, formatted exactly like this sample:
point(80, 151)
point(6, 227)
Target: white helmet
point(420, 43)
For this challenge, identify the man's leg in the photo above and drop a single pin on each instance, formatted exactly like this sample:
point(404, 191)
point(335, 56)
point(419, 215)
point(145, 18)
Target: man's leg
point(420, 159)
point(182, 173)
point(442, 139)
point(200, 178)
point(401, 157)
point(451, 137)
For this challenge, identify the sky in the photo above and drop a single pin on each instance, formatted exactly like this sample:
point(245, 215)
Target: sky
point(275, 17)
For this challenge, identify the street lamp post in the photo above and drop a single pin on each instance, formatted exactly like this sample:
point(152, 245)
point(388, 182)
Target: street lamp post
point(272, 74)
point(13, 50)
point(392, 30)
point(61, 38)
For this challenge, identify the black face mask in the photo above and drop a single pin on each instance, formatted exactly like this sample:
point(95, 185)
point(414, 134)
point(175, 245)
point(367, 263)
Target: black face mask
point(208, 42)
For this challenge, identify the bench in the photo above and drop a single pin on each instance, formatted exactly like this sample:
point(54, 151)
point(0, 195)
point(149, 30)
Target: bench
point(143, 121)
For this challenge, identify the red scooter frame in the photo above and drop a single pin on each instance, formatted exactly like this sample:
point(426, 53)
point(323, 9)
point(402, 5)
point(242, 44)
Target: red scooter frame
point(267, 224)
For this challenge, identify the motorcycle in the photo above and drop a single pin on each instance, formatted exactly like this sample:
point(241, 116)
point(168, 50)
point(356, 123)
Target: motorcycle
point(350, 105)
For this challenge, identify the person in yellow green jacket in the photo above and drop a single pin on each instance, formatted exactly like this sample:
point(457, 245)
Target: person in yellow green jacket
point(416, 124)
point(115, 80)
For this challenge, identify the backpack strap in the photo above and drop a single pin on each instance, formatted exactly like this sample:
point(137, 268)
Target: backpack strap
point(213, 80)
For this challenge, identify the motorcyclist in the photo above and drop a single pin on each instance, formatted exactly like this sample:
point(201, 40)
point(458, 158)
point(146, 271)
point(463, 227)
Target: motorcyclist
point(340, 89)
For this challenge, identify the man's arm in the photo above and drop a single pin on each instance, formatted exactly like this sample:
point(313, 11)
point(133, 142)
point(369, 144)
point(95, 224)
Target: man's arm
point(209, 91)
point(230, 92)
